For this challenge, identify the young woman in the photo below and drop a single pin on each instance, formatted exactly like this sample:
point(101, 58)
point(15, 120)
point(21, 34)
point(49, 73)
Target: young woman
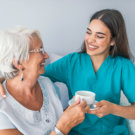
point(104, 67)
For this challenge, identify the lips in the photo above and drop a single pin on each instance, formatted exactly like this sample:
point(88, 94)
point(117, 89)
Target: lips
point(42, 64)
point(92, 47)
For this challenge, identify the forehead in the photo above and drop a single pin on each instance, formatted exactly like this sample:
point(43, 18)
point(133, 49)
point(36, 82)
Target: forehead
point(97, 25)
point(35, 42)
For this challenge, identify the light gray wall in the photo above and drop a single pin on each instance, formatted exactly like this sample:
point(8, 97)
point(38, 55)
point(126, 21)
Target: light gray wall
point(62, 23)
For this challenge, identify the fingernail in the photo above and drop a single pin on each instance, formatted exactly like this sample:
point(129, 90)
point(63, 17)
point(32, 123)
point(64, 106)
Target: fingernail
point(4, 96)
point(94, 106)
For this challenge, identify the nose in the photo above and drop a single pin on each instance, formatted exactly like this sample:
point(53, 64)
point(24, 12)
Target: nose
point(46, 55)
point(91, 39)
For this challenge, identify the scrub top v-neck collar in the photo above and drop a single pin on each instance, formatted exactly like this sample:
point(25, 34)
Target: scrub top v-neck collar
point(101, 69)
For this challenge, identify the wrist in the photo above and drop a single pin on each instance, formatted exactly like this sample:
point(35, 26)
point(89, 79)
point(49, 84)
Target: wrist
point(57, 131)
point(63, 128)
point(115, 109)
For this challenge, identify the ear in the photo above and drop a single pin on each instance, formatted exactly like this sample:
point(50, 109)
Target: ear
point(112, 42)
point(17, 65)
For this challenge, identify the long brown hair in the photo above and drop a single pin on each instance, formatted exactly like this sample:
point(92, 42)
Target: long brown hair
point(113, 19)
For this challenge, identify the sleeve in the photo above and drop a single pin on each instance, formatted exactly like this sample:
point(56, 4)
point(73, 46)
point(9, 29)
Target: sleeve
point(128, 80)
point(5, 123)
point(58, 71)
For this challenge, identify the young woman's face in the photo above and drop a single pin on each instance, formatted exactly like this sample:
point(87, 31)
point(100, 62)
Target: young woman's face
point(98, 39)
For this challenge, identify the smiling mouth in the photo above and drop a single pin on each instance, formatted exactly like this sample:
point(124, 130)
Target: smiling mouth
point(93, 47)
point(42, 64)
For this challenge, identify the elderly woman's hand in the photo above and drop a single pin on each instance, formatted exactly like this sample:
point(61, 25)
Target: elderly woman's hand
point(103, 108)
point(72, 116)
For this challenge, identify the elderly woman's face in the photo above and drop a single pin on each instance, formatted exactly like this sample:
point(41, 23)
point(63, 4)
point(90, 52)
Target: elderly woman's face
point(36, 63)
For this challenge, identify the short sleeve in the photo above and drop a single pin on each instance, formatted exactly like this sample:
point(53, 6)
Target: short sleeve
point(5, 123)
point(128, 80)
point(58, 71)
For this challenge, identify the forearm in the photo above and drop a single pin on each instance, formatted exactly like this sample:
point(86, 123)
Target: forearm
point(10, 132)
point(63, 126)
point(127, 112)
point(72, 116)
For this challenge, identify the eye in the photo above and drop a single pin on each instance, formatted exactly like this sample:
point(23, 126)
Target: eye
point(88, 32)
point(42, 50)
point(100, 37)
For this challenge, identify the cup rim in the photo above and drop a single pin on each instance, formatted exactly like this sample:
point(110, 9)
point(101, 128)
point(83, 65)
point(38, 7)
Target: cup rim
point(84, 91)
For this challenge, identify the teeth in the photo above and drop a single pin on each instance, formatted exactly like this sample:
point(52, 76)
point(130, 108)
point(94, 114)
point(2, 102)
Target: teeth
point(42, 64)
point(92, 46)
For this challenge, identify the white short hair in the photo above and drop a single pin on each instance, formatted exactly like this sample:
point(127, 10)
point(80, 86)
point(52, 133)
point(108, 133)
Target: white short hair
point(14, 44)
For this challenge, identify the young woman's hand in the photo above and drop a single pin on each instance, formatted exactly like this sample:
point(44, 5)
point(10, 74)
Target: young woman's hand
point(2, 92)
point(72, 116)
point(103, 108)
point(106, 107)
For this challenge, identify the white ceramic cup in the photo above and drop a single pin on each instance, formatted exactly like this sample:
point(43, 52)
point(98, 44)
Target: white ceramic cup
point(88, 96)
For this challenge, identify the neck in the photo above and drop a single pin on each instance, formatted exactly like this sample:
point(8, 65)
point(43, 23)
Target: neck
point(27, 86)
point(27, 92)
point(97, 61)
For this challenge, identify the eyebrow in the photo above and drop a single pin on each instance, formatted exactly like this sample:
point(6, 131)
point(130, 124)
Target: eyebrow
point(97, 32)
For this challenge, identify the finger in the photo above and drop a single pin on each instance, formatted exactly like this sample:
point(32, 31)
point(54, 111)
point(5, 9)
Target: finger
point(2, 92)
point(94, 112)
point(87, 108)
point(89, 111)
point(99, 104)
point(76, 102)
point(100, 115)
point(83, 103)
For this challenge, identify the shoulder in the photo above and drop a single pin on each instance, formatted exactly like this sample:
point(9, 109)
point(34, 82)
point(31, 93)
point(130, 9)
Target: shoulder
point(124, 63)
point(5, 123)
point(76, 56)
point(2, 103)
point(48, 86)
point(45, 81)
point(73, 55)
point(1, 98)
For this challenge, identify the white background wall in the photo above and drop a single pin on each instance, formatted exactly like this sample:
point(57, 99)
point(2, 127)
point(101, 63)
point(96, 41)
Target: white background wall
point(62, 23)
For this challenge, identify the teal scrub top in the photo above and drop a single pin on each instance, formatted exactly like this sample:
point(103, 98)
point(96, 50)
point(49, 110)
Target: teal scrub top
point(115, 74)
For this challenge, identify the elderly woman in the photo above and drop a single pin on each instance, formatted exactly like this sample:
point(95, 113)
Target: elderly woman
point(32, 106)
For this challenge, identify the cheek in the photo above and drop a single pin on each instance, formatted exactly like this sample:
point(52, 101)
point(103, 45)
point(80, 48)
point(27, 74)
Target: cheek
point(86, 38)
point(103, 43)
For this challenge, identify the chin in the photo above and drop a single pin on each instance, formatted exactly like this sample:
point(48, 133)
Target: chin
point(91, 53)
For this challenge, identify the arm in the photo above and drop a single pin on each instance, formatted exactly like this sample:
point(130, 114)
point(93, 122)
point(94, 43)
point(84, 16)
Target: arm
point(106, 108)
point(10, 132)
point(128, 87)
point(6, 126)
point(58, 70)
point(125, 111)
point(71, 117)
